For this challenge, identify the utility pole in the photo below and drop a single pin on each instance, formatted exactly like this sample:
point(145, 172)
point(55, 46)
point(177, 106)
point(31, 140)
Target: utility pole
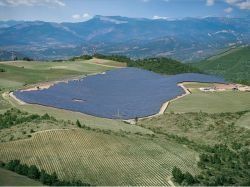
point(118, 114)
point(12, 55)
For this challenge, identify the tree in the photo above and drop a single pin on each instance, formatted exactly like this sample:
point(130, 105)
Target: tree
point(45, 178)
point(19, 169)
point(2, 70)
point(54, 179)
point(136, 119)
point(46, 116)
point(178, 175)
point(189, 179)
point(33, 172)
point(2, 164)
point(78, 124)
point(12, 165)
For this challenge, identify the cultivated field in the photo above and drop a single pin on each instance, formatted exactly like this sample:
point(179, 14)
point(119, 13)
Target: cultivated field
point(102, 159)
point(211, 102)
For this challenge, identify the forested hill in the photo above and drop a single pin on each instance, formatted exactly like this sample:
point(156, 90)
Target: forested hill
point(164, 66)
point(233, 65)
point(160, 65)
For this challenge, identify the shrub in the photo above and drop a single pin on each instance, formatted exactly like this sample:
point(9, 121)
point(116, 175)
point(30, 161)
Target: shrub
point(78, 124)
point(178, 175)
point(188, 178)
point(32, 131)
point(33, 172)
point(2, 70)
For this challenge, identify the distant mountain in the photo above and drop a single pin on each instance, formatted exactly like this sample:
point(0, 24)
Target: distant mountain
point(10, 55)
point(233, 65)
point(5, 24)
point(186, 39)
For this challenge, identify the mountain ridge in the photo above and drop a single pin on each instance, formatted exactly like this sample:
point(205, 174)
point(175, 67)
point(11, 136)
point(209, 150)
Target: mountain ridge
point(183, 39)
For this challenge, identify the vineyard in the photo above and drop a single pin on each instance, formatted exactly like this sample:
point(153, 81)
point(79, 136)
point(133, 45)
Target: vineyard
point(102, 159)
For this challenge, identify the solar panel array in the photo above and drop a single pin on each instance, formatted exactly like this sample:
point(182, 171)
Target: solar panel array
point(124, 93)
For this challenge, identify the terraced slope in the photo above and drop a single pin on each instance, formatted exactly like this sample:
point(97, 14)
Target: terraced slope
point(102, 159)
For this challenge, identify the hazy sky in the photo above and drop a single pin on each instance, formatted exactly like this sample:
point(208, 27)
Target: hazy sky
point(80, 10)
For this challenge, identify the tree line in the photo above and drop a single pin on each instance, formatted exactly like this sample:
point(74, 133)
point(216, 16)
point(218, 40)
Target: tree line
point(82, 57)
point(160, 65)
point(33, 172)
point(24, 59)
point(118, 58)
point(163, 66)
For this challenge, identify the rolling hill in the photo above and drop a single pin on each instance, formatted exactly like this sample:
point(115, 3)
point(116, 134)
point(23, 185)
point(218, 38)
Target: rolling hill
point(234, 65)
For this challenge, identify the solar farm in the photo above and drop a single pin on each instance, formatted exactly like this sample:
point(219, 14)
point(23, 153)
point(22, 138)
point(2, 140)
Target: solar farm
point(125, 93)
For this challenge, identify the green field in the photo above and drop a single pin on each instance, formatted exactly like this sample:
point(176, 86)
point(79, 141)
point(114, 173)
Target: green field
point(9, 178)
point(107, 62)
point(211, 102)
point(19, 73)
point(234, 65)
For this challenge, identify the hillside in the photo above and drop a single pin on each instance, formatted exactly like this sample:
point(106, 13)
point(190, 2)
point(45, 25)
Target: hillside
point(160, 65)
point(163, 66)
point(234, 65)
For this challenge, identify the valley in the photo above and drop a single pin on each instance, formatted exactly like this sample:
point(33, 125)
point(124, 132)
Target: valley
point(155, 144)
point(124, 93)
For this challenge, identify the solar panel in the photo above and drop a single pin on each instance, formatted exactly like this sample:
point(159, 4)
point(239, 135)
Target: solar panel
point(124, 93)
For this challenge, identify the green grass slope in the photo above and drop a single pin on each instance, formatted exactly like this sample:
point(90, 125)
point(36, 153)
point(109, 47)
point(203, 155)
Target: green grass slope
point(234, 65)
point(18, 73)
point(210, 102)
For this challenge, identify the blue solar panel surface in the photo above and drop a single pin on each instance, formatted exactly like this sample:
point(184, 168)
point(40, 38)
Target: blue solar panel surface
point(123, 93)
